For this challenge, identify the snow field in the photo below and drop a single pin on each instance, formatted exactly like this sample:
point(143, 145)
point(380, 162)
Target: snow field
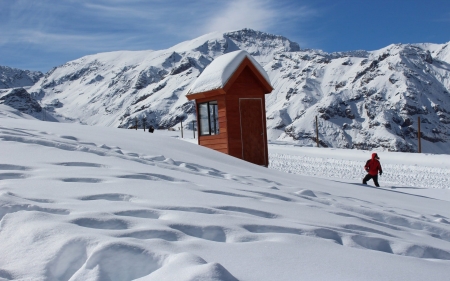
point(92, 203)
point(394, 175)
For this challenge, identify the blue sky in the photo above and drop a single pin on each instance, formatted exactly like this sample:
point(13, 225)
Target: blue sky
point(41, 34)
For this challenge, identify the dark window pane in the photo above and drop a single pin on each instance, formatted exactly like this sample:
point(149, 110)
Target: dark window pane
point(203, 118)
point(213, 118)
point(209, 118)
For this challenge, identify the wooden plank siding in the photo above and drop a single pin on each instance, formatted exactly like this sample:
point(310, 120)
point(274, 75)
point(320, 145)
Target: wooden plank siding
point(246, 85)
point(246, 82)
point(217, 142)
point(214, 141)
point(221, 135)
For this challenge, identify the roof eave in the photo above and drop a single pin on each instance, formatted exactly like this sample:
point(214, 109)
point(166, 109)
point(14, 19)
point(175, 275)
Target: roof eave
point(206, 94)
point(247, 62)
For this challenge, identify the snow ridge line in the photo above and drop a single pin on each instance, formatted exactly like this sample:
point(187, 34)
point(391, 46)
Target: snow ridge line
point(159, 161)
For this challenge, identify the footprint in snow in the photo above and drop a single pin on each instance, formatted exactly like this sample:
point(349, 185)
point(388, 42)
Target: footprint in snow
point(82, 180)
point(150, 176)
point(12, 176)
point(145, 213)
point(199, 210)
point(227, 193)
point(97, 223)
point(248, 211)
point(108, 197)
point(9, 167)
point(80, 164)
point(152, 234)
point(211, 233)
point(38, 200)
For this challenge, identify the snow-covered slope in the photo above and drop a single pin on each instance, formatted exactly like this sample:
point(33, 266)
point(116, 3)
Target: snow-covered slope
point(97, 203)
point(13, 77)
point(363, 99)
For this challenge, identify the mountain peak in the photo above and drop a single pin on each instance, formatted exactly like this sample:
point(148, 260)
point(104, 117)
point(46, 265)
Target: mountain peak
point(13, 77)
point(247, 37)
point(364, 100)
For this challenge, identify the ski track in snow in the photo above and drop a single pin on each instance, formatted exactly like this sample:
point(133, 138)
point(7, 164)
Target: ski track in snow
point(118, 233)
point(393, 174)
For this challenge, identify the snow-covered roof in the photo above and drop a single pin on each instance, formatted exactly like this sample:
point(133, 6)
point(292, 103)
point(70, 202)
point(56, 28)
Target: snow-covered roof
point(216, 75)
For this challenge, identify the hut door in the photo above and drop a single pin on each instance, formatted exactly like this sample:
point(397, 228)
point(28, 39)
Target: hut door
point(252, 131)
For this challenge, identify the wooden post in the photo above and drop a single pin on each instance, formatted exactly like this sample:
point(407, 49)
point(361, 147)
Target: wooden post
point(193, 127)
point(418, 134)
point(317, 132)
point(181, 128)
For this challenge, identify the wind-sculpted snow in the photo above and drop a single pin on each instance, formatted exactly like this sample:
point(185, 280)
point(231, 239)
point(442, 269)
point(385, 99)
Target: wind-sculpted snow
point(165, 209)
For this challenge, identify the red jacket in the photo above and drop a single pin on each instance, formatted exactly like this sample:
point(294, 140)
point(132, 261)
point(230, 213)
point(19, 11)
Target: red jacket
point(373, 166)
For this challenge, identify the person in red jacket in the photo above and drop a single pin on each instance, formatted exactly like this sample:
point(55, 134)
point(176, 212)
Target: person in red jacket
point(372, 168)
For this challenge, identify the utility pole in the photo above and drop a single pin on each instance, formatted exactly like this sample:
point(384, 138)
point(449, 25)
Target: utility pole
point(181, 128)
point(317, 132)
point(418, 134)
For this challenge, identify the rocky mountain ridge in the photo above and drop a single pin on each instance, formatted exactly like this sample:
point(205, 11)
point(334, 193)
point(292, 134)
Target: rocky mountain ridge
point(14, 78)
point(20, 99)
point(364, 100)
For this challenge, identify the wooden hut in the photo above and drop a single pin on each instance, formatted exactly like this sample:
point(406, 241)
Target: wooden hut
point(230, 102)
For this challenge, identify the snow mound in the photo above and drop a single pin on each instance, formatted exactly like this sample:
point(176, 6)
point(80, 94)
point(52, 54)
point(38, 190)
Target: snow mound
point(165, 209)
point(306, 192)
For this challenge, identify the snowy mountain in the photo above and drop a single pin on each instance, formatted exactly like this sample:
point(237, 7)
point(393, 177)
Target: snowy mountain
point(13, 77)
point(363, 99)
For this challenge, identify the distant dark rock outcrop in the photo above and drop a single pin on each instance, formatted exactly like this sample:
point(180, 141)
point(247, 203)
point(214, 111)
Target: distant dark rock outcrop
point(21, 100)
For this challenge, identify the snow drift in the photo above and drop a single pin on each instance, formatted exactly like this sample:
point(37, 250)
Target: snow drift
point(97, 203)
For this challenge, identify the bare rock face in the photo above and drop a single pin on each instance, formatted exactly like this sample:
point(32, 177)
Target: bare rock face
point(21, 100)
point(364, 100)
point(13, 77)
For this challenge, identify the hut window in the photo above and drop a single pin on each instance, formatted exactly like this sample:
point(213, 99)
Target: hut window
point(208, 117)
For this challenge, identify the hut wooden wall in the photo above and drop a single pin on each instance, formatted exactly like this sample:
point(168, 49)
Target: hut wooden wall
point(246, 85)
point(217, 142)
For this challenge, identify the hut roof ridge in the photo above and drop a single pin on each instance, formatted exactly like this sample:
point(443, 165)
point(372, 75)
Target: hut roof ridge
point(219, 71)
